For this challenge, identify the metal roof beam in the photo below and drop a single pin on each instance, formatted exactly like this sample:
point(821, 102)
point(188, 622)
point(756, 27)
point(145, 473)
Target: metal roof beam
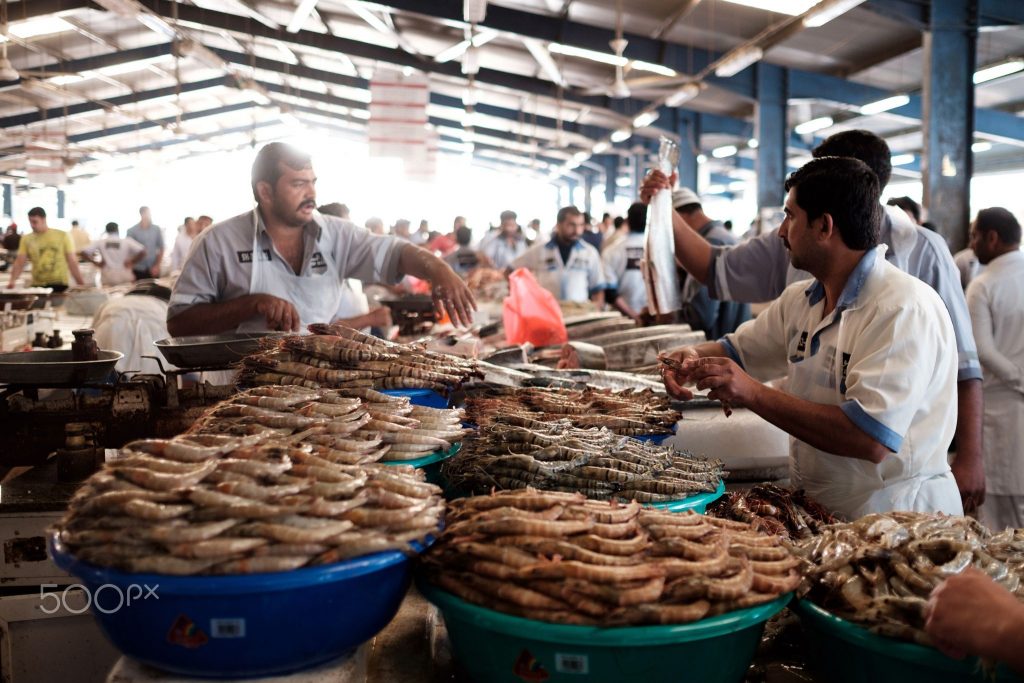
point(158, 123)
point(907, 11)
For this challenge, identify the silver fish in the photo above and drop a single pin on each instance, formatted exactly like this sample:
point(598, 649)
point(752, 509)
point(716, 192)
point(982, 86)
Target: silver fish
point(659, 267)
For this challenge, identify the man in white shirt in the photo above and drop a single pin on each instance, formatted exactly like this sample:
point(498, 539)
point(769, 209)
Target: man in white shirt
point(506, 244)
point(117, 257)
point(187, 233)
point(281, 265)
point(567, 266)
point(868, 352)
point(622, 265)
point(996, 301)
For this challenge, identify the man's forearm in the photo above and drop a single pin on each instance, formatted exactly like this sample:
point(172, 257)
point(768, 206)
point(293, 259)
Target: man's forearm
point(623, 307)
point(76, 272)
point(598, 298)
point(418, 262)
point(19, 265)
point(824, 427)
point(693, 252)
point(214, 318)
point(968, 468)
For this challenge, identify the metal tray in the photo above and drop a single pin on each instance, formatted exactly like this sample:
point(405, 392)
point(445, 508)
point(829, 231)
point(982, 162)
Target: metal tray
point(49, 368)
point(211, 351)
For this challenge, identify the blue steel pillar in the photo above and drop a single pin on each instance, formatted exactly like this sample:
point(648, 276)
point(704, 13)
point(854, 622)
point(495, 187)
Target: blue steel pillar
point(610, 163)
point(588, 189)
point(9, 200)
point(770, 131)
point(688, 130)
point(60, 203)
point(570, 190)
point(950, 45)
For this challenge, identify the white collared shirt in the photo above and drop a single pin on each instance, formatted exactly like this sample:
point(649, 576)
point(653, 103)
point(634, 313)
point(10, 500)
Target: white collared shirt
point(622, 263)
point(575, 280)
point(887, 357)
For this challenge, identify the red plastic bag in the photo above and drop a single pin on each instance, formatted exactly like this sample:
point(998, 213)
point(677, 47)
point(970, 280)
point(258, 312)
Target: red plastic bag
point(531, 313)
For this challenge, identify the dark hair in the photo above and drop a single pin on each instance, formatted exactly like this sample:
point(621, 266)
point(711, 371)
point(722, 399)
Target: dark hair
point(567, 211)
point(37, 211)
point(859, 144)
point(508, 216)
point(204, 216)
point(619, 220)
point(605, 216)
point(463, 236)
point(111, 227)
point(636, 216)
point(143, 208)
point(846, 189)
point(586, 217)
point(333, 209)
point(1001, 222)
point(908, 205)
point(687, 209)
point(187, 219)
point(267, 166)
point(74, 223)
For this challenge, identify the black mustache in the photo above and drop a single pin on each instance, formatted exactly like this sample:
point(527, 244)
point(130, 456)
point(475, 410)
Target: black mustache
point(305, 204)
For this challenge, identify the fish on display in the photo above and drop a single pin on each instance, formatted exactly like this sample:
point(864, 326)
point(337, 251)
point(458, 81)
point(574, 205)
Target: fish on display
point(659, 267)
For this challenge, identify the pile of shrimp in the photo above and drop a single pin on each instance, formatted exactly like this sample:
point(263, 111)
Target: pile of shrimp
point(366, 425)
point(513, 452)
point(338, 356)
point(879, 571)
point(209, 504)
point(561, 558)
point(627, 413)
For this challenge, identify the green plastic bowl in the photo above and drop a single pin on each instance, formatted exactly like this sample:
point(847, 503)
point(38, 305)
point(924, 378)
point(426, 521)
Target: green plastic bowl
point(499, 648)
point(430, 464)
point(844, 652)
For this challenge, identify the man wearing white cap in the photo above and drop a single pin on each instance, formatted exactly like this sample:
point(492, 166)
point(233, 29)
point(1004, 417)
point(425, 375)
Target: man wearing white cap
point(716, 318)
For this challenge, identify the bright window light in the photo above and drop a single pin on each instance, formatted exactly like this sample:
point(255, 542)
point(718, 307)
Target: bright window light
point(621, 135)
point(601, 147)
point(752, 143)
point(40, 26)
point(887, 104)
point(716, 189)
point(623, 181)
point(738, 61)
point(737, 186)
point(701, 158)
point(790, 7)
point(603, 57)
point(723, 152)
point(981, 146)
point(68, 79)
point(813, 125)
point(120, 69)
point(902, 159)
point(990, 73)
point(828, 11)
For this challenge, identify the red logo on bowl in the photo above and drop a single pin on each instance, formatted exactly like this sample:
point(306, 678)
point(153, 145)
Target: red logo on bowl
point(529, 669)
point(184, 632)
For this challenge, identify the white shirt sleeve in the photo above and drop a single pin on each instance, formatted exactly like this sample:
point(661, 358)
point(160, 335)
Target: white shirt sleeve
point(889, 369)
point(367, 257)
point(614, 265)
point(760, 345)
point(1001, 367)
point(133, 247)
point(595, 273)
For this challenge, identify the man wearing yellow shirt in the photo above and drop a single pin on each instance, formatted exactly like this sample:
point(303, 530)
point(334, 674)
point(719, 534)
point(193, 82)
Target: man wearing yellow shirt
point(51, 252)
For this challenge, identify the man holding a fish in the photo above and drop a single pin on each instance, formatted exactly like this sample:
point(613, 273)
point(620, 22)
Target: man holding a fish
point(867, 350)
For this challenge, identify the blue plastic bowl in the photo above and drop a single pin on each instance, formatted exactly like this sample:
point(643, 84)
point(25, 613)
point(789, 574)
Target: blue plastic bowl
point(430, 464)
point(421, 397)
point(499, 648)
point(698, 503)
point(657, 439)
point(847, 653)
point(248, 625)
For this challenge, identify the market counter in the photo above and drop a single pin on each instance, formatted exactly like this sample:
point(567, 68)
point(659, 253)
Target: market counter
point(751, 448)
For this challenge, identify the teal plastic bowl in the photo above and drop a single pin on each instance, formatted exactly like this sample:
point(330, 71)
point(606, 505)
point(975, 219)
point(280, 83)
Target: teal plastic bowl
point(499, 648)
point(431, 464)
point(844, 652)
point(698, 503)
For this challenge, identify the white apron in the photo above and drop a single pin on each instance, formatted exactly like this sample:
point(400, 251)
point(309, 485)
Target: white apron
point(317, 298)
point(1002, 427)
point(851, 487)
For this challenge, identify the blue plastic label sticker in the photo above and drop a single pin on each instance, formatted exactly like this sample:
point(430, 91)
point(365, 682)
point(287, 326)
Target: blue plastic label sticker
point(227, 628)
point(572, 664)
point(528, 669)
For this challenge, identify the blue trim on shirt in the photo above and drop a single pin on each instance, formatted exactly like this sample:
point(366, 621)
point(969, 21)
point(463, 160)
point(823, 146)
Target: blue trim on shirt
point(875, 429)
point(730, 351)
point(857, 278)
point(972, 371)
point(576, 246)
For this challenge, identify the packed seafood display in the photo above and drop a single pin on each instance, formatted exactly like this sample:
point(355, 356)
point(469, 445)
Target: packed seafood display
point(774, 510)
point(561, 558)
point(515, 452)
point(364, 424)
point(338, 356)
point(628, 413)
point(208, 504)
point(880, 570)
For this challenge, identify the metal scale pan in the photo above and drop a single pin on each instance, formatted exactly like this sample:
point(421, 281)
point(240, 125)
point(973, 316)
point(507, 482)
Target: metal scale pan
point(210, 351)
point(55, 368)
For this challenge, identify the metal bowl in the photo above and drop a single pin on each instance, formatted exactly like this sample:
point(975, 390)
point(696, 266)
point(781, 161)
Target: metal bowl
point(49, 368)
point(211, 351)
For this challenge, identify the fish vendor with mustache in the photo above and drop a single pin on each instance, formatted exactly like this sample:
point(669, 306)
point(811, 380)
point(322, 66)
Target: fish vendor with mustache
point(868, 352)
point(281, 265)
